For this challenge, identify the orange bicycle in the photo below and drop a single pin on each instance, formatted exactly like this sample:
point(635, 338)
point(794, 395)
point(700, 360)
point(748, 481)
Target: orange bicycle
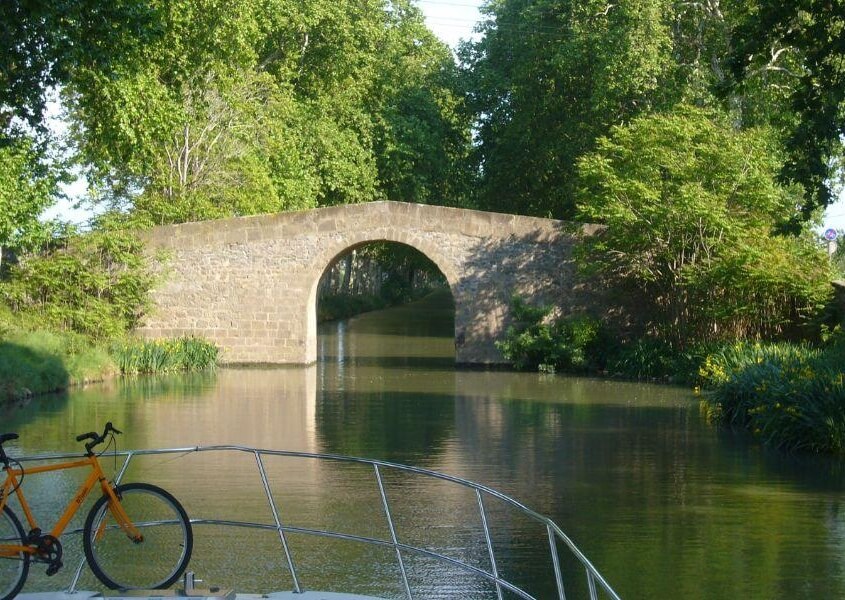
point(136, 536)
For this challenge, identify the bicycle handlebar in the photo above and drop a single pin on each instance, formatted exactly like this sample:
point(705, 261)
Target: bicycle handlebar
point(6, 437)
point(96, 438)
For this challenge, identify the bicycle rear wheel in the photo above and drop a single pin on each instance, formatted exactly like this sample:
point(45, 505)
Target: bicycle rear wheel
point(14, 567)
point(155, 562)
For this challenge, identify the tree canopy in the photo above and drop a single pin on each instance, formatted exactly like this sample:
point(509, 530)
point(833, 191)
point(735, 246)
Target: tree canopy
point(244, 107)
point(549, 77)
point(805, 40)
point(691, 207)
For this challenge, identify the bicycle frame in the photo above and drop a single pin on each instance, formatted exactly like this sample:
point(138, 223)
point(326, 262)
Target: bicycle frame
point(11, 485)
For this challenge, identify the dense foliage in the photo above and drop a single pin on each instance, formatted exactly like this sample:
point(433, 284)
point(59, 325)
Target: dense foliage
point(804, 39)
point(27, 187)
point(245, 107)
point(792, 396)
point(549, 77)
point(567, 345)
point(95, 284)
point(692, 212)
point(583, 344)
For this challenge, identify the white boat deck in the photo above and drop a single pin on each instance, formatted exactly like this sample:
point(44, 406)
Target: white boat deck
point(195, 595)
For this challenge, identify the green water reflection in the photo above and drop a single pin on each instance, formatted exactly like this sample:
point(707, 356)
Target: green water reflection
point(663, 504)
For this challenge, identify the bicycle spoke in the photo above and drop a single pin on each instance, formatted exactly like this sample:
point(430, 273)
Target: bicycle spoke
point(14, 566)
point(154, 561)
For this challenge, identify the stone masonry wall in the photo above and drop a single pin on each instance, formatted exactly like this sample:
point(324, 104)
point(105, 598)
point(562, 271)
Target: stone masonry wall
point(250, 283)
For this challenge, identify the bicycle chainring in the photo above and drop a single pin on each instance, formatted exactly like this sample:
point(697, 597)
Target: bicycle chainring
point(50, 551)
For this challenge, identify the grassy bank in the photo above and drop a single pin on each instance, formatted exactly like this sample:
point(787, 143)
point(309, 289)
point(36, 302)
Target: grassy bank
point(39, 361)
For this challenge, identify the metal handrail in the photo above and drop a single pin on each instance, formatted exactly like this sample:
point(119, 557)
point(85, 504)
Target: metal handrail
point(595, 581)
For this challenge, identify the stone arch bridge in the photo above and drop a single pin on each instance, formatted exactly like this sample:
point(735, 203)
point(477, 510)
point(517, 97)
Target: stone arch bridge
point(250, 283)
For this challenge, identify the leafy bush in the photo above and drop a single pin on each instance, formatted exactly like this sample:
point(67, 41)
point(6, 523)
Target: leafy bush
point(95, 284)
point(692, 208)
point(793, 396)
point(534, 342)
point(644, 358)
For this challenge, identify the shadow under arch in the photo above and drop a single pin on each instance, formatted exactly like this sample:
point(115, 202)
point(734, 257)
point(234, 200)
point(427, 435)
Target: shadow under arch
point(334, 252)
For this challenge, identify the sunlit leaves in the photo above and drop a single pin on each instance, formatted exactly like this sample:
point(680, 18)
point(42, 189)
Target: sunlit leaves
point(27, 187)
point(253, 106)
point(692, 209)
point(804, 42)
point(548, 78)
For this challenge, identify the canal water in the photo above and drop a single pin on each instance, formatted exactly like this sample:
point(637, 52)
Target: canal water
point(663, 504)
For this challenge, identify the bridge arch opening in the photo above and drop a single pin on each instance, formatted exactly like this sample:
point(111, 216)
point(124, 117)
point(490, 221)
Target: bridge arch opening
point(378, 274)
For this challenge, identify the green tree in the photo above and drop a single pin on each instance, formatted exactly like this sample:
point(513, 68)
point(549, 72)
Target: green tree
point(691, 206)
point(27, 187)
point(803, 40)
point(551, 76)
point(422, 139)
point(244, 107)
point(93, 283)
point(547, 79)
point(43, 43)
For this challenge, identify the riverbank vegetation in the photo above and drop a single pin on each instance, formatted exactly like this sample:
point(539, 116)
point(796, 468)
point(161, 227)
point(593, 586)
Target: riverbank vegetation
point(706, 137)
point(792, 396)
point(37, 360)
point(134, 357)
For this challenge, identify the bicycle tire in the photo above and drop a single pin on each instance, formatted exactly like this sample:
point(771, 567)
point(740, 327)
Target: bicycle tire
point(154, 563)
point(13, 570)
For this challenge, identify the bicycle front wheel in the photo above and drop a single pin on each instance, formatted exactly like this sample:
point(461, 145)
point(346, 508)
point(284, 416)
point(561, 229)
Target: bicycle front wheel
point(14, 566)
point(154, 562)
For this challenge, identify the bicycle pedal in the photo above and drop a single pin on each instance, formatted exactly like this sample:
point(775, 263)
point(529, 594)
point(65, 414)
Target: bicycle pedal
point(54, 568)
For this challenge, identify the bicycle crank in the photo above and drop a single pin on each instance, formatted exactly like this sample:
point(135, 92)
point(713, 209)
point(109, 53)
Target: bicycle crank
point(49, 550)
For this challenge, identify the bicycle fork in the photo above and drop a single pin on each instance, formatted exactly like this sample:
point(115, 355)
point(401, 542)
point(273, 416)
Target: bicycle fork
point(121, 518)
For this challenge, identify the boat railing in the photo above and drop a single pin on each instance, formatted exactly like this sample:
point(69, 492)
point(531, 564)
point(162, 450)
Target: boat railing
point(594, 580)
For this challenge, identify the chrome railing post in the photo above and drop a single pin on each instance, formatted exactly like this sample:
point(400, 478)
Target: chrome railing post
point(393, 537)
point(489, 542)
point(591, 583)
point(78, 574)
point(556, 562)
point(278, 522)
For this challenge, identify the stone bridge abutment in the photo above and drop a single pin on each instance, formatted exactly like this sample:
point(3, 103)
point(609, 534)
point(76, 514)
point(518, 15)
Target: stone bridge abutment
point(250, 283)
